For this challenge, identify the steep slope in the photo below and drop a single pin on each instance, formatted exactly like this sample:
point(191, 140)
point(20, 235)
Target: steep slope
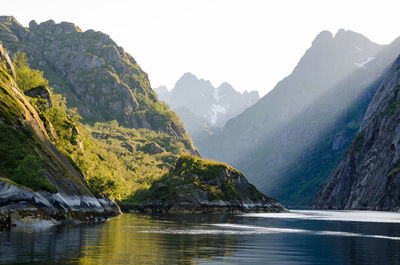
point(118, 151)
point(196, 185)
point(37, 180)
point(368, 176)
point(95, 75)
point(216, 105)
point(289, 141)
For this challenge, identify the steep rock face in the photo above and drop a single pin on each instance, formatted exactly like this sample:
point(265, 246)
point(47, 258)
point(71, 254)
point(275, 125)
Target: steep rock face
point(368, 177)
point(289, 141)
point(24, 134)
point(94, 74)
point(196, 185)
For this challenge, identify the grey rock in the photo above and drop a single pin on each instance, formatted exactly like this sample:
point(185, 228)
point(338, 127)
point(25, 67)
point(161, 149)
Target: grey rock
point(368, 176)
point(284, 142)
point(20, 205)
point(4, 58)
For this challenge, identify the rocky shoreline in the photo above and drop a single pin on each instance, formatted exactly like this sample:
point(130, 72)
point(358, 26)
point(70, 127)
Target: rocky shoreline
point(201, 209)
point(21, 206)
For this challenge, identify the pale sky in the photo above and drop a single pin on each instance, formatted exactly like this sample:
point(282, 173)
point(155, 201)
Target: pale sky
point(251, 44)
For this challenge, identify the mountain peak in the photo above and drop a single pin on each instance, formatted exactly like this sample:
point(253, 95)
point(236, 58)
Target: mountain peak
point(8, 18)
point(188, 78)
point(323, 37)
point(189, 75)
point(54, 28)
point(351, 36)
point(161, 89)
point(226, 87)
point(33, 24)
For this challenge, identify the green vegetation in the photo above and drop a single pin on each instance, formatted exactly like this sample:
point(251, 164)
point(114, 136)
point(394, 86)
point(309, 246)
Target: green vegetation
point(395, 170)
point(27, 78)
point(358, 142)
point(104, 84)
point(20, 162)
point(391, 107)
point(129, 160)
point(206, 168)
point(193, 173)
point(116, 161)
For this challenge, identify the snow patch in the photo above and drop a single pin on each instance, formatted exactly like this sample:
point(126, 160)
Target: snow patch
point(358, 48)
point(216, 108)
point(362, 64)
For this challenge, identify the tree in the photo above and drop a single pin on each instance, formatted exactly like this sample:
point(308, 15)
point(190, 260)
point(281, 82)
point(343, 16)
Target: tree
point(27, 78)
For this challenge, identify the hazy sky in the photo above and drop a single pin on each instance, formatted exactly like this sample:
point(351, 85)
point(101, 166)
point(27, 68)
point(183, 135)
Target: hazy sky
point(250, 44)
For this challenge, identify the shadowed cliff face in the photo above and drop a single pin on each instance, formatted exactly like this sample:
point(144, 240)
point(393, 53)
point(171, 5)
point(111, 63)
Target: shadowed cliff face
point(291, 139)
point(95, 75)
point(368, 177)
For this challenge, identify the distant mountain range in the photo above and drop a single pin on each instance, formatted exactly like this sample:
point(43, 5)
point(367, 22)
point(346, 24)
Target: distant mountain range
point(203, 107)
point(293, 137)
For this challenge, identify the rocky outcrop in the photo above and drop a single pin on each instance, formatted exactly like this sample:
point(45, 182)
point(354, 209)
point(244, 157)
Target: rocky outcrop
point(5, 60)
point(19, 205)
point(94, 74)
point(62, 193)
point(196, 185)
point(368, 176)
point(40, 92)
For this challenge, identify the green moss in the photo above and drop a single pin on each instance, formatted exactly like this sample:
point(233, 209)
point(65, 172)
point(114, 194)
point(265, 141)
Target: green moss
point(395, 170)
point(358, 142)
point(10, 110)
point(20, 162)
point(205, 168)
point(193, 173)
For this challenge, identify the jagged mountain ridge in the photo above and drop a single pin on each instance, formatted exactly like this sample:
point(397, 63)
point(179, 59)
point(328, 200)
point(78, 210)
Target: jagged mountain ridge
point(368, 175)
point(289, 141)
point(95, 75)
point(214, 104)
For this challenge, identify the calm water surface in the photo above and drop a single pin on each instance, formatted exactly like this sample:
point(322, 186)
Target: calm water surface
point(299, 237)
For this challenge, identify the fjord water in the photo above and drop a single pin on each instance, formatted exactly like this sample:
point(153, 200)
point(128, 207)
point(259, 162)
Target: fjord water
point(299, 237)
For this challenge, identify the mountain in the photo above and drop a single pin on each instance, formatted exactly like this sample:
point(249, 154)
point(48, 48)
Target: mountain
point(197, 185)
point(162, 93)
point(37, 180)
point(214, 105)
point(368, 174)
point(105, 117)
point(290, 140)
point(96, 76)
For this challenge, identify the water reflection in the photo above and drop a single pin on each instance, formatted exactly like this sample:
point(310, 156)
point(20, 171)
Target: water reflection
point(207, 239)
point(134, 239)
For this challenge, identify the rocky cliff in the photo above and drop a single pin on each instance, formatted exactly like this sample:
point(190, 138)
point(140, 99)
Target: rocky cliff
point(37, 181)
point(96, 76)
point(293, 137)
point(196, 185)
point(368, 176)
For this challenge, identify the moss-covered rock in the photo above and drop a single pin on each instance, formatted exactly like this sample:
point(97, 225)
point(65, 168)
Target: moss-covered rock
point(198, 185)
